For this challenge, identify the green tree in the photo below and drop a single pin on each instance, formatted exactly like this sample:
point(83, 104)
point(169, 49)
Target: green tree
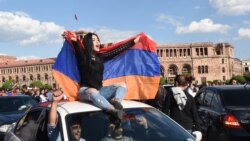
point(39, 84)
point(186, 74)
point(241, 79)
point(47, 86)
point(247, 76)
point(227, 82)
point(162, 81)
point(8, 85)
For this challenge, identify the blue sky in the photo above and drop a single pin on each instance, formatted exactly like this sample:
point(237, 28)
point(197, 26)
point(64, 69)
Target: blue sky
point(32, 29)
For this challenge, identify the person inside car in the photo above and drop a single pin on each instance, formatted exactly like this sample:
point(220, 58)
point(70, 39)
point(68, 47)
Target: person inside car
point(53, 128)
point(115, 134)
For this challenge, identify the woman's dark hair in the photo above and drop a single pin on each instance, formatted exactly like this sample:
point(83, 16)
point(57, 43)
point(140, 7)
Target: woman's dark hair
point(88, 44)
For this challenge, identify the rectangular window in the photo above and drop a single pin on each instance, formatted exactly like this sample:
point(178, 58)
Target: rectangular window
point(189, 52)
point(201, 51)
point(246, 69)
point(197, 51)
point(205, 51)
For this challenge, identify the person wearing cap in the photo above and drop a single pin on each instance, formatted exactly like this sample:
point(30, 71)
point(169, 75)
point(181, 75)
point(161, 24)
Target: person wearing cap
point(53, 128)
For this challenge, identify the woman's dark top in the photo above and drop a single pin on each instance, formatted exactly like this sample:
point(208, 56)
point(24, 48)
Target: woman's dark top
point(91, 71)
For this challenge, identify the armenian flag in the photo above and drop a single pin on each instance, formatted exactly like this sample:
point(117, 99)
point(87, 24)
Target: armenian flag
point(137, 66)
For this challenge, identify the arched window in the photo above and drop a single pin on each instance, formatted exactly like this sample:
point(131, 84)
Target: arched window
point(24, 77)
point(186, 68)
point(38, 77)
point(172, 69)
point(46, 76)
point(31, 77)
point(17, 78)
point(3, 79)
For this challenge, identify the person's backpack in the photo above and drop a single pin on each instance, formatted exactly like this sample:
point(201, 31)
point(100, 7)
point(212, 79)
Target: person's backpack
point(180, 97)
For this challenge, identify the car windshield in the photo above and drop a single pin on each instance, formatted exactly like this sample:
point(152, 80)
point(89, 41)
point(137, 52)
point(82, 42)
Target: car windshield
point(238, 97)
point(15, 104)
point(140, 124)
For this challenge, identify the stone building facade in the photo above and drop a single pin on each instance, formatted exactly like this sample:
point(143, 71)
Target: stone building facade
point(5, 58)
point(246, 65)
point(26, 71)
point(205, 61)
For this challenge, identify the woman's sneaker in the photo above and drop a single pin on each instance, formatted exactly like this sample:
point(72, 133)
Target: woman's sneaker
point(117, 104)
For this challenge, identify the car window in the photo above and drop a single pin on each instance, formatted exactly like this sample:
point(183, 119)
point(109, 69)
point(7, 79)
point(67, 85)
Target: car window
point(28, 126)
point(15, 104)
point(236, 97)
point(199, 98)
point(215, 103)
point(94, 126)
point(208, 98)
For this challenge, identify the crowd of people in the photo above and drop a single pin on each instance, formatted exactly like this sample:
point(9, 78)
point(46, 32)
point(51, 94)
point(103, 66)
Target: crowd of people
point(38, 94)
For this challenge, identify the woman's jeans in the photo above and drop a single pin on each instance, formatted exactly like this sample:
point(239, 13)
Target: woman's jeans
point(103, 96)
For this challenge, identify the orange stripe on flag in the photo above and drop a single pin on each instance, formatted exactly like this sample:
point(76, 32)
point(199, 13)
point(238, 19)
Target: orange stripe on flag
point(138, 87)
point(69, 87)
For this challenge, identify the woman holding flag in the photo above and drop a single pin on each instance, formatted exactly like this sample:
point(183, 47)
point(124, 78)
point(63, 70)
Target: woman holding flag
point(90, 64)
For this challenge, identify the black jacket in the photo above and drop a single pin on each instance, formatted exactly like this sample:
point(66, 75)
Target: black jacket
point(188, 117)
point(91, 73)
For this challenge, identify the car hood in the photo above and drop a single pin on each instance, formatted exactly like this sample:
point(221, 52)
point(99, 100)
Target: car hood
point(10, 118)
point(242, 114)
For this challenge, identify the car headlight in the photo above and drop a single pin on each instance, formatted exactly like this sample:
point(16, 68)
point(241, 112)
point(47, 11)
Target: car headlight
point(4, 128)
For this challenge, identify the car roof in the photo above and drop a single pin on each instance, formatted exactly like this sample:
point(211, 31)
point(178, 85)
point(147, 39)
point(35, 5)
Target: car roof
point(229, 87)
point(15, 96)
point(78, 106)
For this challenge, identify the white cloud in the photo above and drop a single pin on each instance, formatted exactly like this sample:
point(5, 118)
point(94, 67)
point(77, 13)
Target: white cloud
point(110, 35)
point(244, 33)
point(202, 26)
point(167, 19)
point(20, 28)
point(231, 7)
point(2, 54)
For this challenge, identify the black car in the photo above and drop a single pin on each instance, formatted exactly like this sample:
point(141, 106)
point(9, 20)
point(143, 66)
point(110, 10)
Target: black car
point(12, 108)
point(225, 112)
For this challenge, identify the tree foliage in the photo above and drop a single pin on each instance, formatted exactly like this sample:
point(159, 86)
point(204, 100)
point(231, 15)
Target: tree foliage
point(39, 84)
point(8, 85)
point(162, 81)
point(247, 76)
point(240, 79)
point(47, 86)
